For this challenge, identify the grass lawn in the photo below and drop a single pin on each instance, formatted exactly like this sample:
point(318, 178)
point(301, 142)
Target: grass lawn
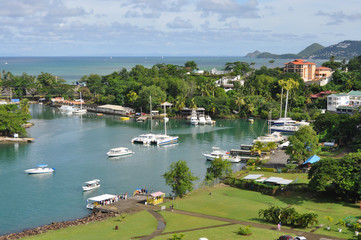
point(298, 177)
point(244, 205)
point(178, 222)
point(226, 233)
point(138, 224)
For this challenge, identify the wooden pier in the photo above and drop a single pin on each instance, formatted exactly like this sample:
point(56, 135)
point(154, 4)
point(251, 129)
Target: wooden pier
point(142, 118)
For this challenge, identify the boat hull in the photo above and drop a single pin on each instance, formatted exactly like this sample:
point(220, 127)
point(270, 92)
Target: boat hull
point(42, 171)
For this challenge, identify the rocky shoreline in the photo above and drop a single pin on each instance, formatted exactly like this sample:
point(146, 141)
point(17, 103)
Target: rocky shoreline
point(94, 217)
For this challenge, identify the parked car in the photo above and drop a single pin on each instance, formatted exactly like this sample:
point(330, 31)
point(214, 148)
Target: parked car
point(286, 237)
point(300, 238)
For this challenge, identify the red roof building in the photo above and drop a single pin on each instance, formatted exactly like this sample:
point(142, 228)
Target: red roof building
point(304, 68)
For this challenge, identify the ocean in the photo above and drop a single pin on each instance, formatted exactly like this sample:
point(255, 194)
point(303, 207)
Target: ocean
point(72, 69)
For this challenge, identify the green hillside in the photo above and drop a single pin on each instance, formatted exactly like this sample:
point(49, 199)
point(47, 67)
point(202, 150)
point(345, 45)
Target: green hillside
point(308, 51)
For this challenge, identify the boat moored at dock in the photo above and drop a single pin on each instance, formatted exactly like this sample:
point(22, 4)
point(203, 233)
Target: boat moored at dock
point(224, 155)
point(101, 200)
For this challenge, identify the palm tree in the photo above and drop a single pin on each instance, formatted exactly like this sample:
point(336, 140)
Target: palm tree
point(193, 104)
point(180, 103)
point(24, 106)
point(258, 147)
point(239, 101)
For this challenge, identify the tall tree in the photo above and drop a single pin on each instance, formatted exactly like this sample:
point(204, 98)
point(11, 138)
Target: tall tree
point(218, 169)
point(303, 144)
point(179, 178)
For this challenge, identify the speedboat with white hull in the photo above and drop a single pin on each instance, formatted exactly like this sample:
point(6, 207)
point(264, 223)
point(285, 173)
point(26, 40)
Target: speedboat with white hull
point(41, 168)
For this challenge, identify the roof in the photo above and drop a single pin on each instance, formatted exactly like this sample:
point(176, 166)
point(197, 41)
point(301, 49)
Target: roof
point(253, 176)
point(278, 180)
point(157, 194)
point(347, 107)
point(323, 68)
point(92, 181)
point(354, 93)
point(300, 62)
point(114, 107)
point(101, 197)
point(167, 104)
point(42, 165)
point(312, 159)
point(339, 95)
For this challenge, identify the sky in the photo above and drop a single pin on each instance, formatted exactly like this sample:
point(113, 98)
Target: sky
point(173, 27)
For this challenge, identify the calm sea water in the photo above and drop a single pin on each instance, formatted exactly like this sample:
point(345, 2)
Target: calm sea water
point(76, 147)
point(73, 68)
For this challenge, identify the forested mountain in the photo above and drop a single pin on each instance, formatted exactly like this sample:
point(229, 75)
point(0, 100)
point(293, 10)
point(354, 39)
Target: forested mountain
point(346, 49)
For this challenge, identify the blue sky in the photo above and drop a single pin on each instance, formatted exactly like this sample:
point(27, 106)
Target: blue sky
point(173, 27)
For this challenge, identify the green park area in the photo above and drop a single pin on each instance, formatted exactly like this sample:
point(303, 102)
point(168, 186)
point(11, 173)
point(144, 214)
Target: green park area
point(221, 201)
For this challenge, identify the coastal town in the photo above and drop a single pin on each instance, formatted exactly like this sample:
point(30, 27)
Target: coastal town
point(180, 120)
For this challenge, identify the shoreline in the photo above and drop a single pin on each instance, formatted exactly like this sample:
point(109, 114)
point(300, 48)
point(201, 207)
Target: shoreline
point(93, 217)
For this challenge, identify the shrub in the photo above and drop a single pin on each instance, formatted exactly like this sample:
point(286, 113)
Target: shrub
point(244, 230)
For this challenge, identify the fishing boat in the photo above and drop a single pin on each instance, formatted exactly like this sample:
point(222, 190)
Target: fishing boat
point(90, 185)
point(40, 169)
point(120, 151)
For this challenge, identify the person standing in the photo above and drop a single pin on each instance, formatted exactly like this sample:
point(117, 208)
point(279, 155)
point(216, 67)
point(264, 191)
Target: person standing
point(279, 226)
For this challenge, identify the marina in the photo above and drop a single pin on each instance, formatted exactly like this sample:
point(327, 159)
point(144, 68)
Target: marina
point(75, 145)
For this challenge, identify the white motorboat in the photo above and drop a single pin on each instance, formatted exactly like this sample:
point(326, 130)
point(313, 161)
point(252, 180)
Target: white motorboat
point(194, 118)
point(41, 168)
point(271, 137)
point(120, 151)
point(209, 120)
point(90, 185)
point(202, 120)
point(224, 155)
point(100, 200)
point(145, 139)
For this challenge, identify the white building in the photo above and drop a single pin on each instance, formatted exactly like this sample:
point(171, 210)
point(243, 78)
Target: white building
point(335, 100)
point(355, 98)
point(228, 82)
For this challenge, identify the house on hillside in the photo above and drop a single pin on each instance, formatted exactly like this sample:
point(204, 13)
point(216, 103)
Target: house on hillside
point(228, 82)
point(309, 72)
point(344, 102)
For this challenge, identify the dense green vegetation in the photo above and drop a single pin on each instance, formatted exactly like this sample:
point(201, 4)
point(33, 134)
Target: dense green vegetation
point(12, 118)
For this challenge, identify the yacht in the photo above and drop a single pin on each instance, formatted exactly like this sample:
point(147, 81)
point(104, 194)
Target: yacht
point(285, 128)
point(271, 137)
point(209, 120)
point(202, 120)
point(156, 139)
point(67, 109)
point(90, 185)
point(41, 168)
point(194, 118)
point(81, 110)
point(283, 121)
point(120, 151)
point(218, 153)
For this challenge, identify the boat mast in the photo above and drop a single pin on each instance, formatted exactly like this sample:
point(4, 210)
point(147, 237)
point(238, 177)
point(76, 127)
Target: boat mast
point(286, 108)
point(81, 102)
point(281, 103)
point(269, 122)
point(150, 107)
point(165, 121)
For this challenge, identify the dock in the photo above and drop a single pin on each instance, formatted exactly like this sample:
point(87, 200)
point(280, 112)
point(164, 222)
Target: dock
point(15, 140)
point(142, 118)
point(131, 205)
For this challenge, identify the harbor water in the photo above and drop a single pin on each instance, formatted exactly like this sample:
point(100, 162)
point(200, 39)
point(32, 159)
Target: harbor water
point(76, 147)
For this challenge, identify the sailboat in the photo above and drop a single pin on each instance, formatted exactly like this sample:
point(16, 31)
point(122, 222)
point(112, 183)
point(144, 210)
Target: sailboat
point(81, 110)
point(270, 137)
point(285, 128)
point(156, 139)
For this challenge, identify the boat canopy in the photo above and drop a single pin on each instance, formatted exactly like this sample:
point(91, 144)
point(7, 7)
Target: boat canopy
point(118, 149)
point(42, 165)
point(92, 181)
point(101, 197)
point(157, 194)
